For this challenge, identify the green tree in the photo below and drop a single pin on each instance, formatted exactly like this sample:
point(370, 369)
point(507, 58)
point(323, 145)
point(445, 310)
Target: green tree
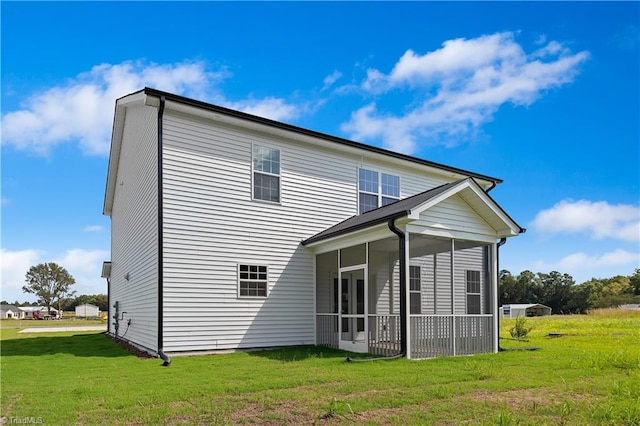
point(49, 282)
point(634, 281)
point(556, 291)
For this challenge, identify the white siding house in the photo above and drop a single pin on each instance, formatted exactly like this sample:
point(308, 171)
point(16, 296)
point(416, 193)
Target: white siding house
point(233, 231)
point(11, 312)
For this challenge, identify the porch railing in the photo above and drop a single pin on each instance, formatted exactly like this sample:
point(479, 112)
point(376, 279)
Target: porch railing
point(327, 330)
point(384, 334)
point(431, 335)
point(436, 335)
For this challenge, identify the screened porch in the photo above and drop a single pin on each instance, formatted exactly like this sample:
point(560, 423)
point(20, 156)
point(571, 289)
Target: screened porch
point(416, 278)
point(449, 298)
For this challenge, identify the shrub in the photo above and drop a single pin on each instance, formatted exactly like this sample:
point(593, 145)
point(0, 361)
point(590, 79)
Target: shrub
point(520, 329)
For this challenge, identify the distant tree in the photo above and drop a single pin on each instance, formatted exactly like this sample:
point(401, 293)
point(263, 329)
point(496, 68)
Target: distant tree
point(556, 291)
point(634, 282)
point(49, 282)
point(507, 288)
point(99, 300)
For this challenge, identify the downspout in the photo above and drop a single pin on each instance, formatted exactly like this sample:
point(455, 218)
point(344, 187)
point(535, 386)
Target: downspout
point(403, 284)
point(108, 304)
point(497, 313)
point(161, 354)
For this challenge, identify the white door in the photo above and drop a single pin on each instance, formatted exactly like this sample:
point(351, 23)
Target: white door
point(353, 310)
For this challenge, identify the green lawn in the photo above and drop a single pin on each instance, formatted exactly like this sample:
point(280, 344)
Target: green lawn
point(589, 375)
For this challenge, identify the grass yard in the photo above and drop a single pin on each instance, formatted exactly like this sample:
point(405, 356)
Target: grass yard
point(588, 375)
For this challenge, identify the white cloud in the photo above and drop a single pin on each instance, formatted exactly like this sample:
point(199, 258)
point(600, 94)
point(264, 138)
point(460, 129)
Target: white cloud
point(459, 87)
point(84, 265)
point(93, 228)
point(82, 109)
point(581, 265)
point(330, 79)
point(597, 219)
point(272, 108)
point(13, 267)
point(83, 262)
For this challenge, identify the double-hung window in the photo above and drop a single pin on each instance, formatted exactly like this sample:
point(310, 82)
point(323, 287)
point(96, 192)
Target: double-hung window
point(473, 292)
point(252, 280)
point(415, 294)
point(266, 174)
point(376, 189)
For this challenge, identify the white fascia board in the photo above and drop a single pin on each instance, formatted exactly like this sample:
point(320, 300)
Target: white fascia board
point(116, 143)
point(374, 233)
point(451, 234)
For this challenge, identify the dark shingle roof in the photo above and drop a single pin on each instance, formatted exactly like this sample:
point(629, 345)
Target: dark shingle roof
point(382, 214)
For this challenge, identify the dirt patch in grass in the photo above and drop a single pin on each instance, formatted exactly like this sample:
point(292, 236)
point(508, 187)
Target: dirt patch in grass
point(8, 407)
point(286, 413)
point(518, 399)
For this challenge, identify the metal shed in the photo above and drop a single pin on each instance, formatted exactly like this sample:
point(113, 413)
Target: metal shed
point(87, 310)
point(524, 310)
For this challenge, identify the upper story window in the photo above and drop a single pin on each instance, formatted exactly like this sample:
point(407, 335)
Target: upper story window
point(376, 189)
point(266, 174)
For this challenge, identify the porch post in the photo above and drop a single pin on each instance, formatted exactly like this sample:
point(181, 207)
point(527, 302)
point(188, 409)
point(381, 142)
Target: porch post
point(494, 296)
point(407, 297)
point(453, 297)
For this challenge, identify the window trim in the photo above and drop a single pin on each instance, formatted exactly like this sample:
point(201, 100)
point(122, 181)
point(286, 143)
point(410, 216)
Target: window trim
point(379, 195)
point(254, 171)
point(468, 293)
point(239, 280)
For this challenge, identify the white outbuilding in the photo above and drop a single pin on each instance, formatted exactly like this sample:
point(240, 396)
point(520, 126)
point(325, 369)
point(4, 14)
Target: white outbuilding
point(87, 310)
point(524, 310)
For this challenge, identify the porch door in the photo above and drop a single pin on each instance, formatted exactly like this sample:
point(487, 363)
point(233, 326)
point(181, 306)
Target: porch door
point(353, 310)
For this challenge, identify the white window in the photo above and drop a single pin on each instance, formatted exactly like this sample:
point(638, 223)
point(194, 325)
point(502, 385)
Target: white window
point(266, 174)
point(473, 292)
point(415, 294)
point(252, 280)
point(376, 189)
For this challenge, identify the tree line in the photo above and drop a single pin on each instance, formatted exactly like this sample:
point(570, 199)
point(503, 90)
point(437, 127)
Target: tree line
point(69, 304)
point(560, 292)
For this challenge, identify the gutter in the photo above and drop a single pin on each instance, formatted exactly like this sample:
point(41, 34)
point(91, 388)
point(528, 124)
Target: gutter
point(404, 319)
point(161, 354)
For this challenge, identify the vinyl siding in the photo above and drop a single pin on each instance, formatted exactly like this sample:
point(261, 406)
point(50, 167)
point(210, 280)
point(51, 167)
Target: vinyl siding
point(455, 214)
point(134, 235)
point(211, 224)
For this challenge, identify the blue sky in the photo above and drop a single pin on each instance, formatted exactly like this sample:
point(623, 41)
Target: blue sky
point(543, 95)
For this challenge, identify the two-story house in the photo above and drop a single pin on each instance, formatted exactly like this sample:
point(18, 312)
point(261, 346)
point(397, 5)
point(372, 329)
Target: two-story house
point(232, 231)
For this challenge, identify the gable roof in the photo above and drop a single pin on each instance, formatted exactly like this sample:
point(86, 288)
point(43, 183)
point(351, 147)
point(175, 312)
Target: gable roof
point(313, 133)
point(410, 207)
point(5, 308)
point(142, 97)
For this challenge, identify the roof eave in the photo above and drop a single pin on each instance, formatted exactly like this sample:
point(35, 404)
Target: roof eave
point(439, 168)
point(309, 242)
